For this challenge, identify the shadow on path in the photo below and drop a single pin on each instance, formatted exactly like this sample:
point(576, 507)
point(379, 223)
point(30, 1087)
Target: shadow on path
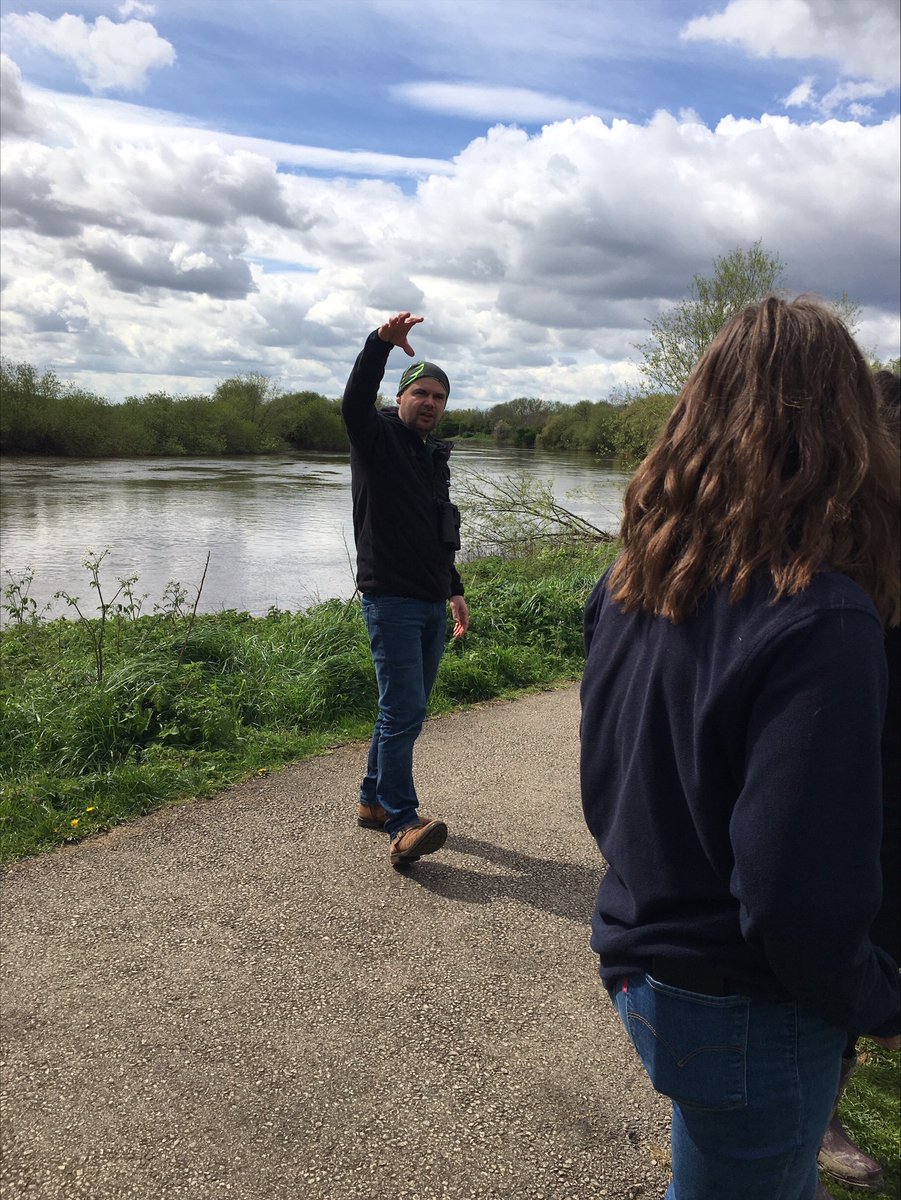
point(564, 889)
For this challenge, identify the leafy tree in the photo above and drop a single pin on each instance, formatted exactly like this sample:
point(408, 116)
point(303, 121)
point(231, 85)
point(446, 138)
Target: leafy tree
point(242, 435)
point(603, 426)
point(79, 426)
point(567, 429)
point(464, 422)
point(199, 424)
point(640, 425)
point(529, 410)
point(563, 431)
point(245, 395)
point(316, 423)
point(526, 416)
point(680, 336)
point(279, 415)
point(503, 432)
point(129, 434)
point(157, 413)
point(845, 308)
point(27, 400)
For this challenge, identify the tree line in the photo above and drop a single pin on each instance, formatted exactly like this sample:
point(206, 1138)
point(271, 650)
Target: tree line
point(42, 415)
point(39, 414)
point(625, 429)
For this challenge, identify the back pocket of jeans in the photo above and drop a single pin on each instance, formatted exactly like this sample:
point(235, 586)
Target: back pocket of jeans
point(693, 1046)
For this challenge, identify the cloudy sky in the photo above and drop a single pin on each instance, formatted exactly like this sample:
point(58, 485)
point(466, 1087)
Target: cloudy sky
point(193, 189)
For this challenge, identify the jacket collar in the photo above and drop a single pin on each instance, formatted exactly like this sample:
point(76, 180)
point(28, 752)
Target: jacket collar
point(440, 445)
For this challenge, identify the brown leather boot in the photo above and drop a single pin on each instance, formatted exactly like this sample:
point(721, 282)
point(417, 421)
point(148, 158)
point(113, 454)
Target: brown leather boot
point(425, 837)
point(839, 1156)
point(371, 816)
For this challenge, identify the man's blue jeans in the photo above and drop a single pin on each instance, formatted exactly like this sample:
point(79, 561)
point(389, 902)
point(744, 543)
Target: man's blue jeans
point(752, 1083)
point(407, 640)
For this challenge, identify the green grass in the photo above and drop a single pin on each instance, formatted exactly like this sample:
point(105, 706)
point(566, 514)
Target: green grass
point(183, 708)
point(871, 1113)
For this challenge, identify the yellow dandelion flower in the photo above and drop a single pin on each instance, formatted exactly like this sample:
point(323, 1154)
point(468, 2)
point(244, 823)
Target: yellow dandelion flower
point(74, 821)
point(91, 809)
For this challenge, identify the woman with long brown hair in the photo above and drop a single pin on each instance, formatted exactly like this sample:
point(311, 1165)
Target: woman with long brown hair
point(732, 707)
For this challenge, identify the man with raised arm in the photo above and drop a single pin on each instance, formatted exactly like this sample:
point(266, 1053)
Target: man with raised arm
point(406, 532)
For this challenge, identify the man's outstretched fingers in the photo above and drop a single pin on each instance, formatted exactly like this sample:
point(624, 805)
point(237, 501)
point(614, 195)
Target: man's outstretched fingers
point(397, 328)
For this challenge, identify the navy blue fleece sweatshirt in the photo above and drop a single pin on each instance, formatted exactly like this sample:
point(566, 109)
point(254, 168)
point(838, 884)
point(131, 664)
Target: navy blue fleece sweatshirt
point(731, 777)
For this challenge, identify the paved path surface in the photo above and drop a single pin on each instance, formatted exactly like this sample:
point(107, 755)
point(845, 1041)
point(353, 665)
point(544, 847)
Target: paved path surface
point(240, 998)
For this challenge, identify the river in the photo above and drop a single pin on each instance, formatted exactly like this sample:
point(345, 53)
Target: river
point(278, 528)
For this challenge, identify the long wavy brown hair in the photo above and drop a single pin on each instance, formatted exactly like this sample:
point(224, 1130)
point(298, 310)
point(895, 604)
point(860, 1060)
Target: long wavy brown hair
point(774, 458)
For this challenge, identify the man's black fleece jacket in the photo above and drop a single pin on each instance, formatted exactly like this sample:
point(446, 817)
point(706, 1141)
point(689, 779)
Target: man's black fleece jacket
point(397, 482)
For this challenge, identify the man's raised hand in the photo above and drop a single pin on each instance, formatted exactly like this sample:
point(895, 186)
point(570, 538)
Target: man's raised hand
point(396, 330)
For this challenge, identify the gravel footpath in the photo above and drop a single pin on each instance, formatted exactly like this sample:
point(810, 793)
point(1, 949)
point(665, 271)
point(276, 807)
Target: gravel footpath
point(239, 997)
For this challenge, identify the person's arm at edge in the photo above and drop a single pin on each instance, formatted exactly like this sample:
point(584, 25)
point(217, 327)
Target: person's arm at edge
point(805, 830)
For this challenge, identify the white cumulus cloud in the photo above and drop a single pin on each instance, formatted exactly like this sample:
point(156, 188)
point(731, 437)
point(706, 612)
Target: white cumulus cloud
point(106, 55)
point(18, 119)
point(136, 250)
point(862, 36)
point(801, 96)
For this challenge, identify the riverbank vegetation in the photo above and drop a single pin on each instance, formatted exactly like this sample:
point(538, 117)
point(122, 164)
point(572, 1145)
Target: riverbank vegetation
point(105, 717)
point(42, 415)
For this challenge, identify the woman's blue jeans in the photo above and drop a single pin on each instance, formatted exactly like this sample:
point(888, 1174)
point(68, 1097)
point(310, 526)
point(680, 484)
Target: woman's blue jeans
point(407, 640)
point(752, 1083)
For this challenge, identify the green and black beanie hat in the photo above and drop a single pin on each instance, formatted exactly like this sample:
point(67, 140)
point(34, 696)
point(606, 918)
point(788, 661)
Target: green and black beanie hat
point(421, 370)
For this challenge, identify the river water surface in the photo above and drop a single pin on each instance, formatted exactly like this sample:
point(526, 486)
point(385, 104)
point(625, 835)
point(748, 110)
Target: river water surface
point(278, 528)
